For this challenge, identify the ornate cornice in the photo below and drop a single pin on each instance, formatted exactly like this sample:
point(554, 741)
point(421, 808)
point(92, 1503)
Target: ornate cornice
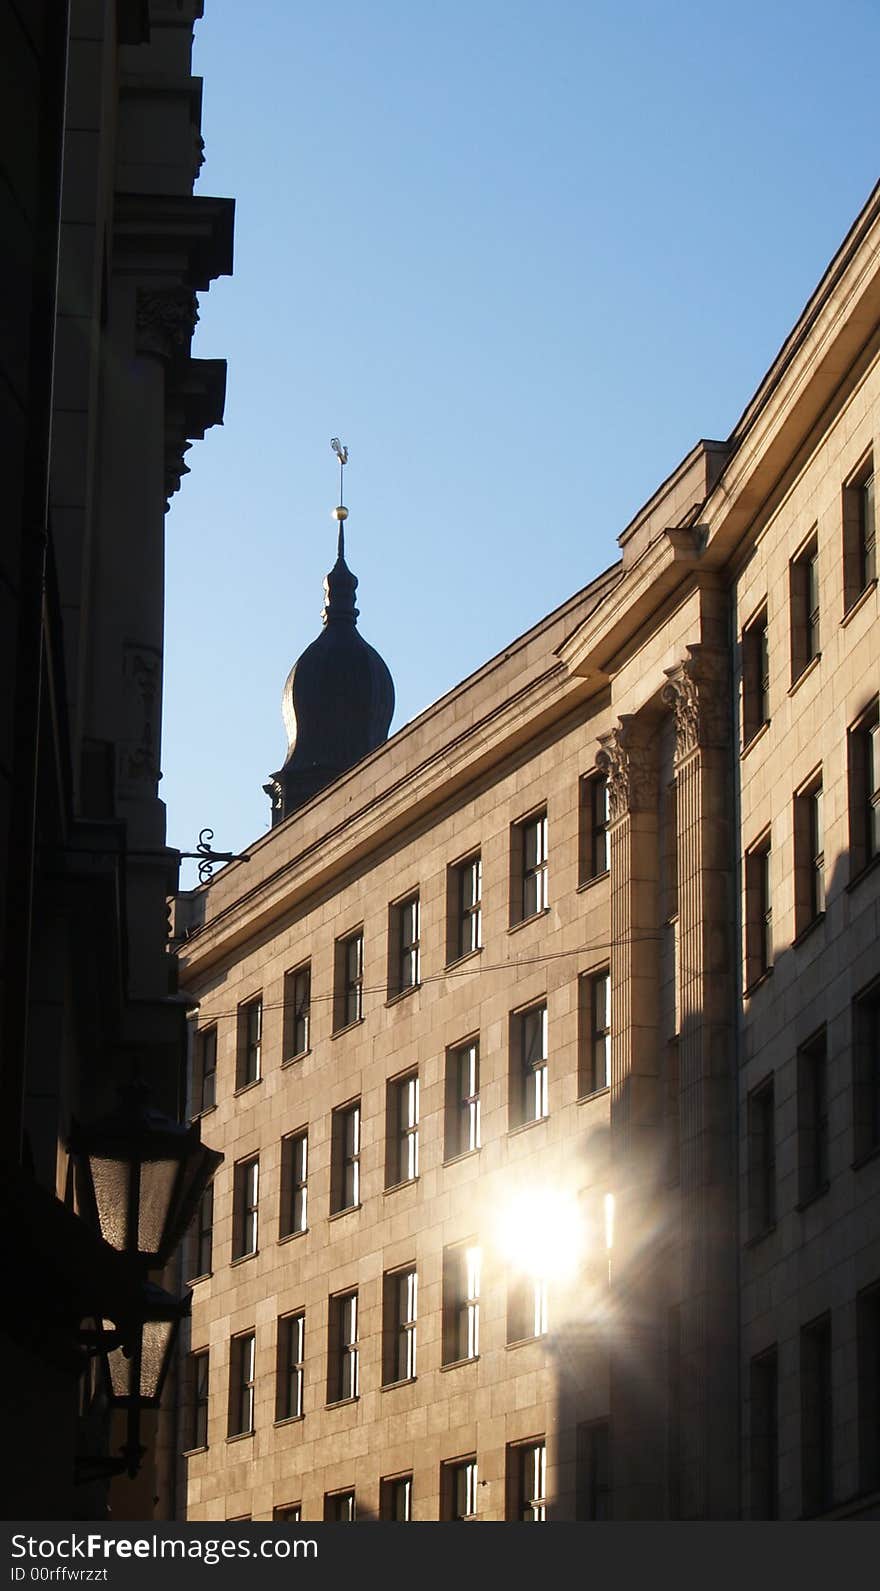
point(627, 757)
point(697, 695)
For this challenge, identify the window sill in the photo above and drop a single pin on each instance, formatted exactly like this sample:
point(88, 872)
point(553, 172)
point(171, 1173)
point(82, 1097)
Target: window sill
point(239, 1259)
point(466, 955)
point(456, 1364)
point(391, 1386)
point(193, 1452)
point(757, 983)
point(864, 1159)
point(806, 932)
point(806, 671)
point(287, 1237)
point(811, 1198)
point(869, 867)
point(523, 922)
point(524, 1126)
point(758, 1237)
point(465, 1154)
point(759, 733)
point(348, 1209)
point(342, 1403)
point(239, 1436)
point(858, 603)
point(245, 1088)
point(206, 1110)
point(288, 1419)
point(523, 1342)
point(401, 994)
point(292, 1059)
point(203, 1276)
point(346, 1027)
point(595, 1093)
point(587, 883)
point(395, 1187)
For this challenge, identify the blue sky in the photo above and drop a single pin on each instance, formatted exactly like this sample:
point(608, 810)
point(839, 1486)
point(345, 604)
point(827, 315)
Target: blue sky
point(519, 257)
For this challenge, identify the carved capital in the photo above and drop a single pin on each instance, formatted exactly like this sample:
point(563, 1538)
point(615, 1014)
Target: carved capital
point(165, 320)
point(627, 757)
point(697, 695)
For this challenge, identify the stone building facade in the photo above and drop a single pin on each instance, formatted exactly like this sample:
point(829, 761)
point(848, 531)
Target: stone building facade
point(543, 1043)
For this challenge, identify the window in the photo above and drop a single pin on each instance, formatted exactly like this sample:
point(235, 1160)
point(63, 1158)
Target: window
point(812, 1087)
point(465, 908)
point(868, 1339)
point(759, 912)
point(395, 1498)
point(294, 1184)
point(594, 990)
point(529, 868)
point(403, 946)
point(755, 676)
point(345, 1177)
point(462, 1100)
point(526, 1308)
point(205, 1072)
point(593, 846)
point(803, 586)
point(342, 1357)
point(458, 1489)
point(809, 855)
point(864, 790)
point(859, 534)
point(528, 1055)
point(287, 1514)
point(461, 1302)
point(203, 1234)
point(762, 1159)
point(400, 1312)
point(817, 1456)
point(866, 1071)
point(290, 1369)
point(340, 1508)
point(200, 1375)
point(242, 1375)
point(527, 1481)
point(250, 1040)
point(349, 992)
point(297, 1011)
point(764, 1410)
point(593, 1471)
point(402, 1137)
point(245, 1214)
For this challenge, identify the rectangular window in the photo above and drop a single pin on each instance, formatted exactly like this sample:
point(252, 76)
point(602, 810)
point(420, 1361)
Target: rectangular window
point(593, 847)
point(458, 1489)
point(868, 1338)
point(817, 1434)
point(349, 981)
point(803, 585)
point(593, 1471)
point(527, 1482)
point(755, 676)
point(340, 1508)
point(526, 1308)
point(245, 1214)
point(866, 1071)
point(250, 1042)
point(864, 790)
point(200, 1378)
point(461, 1302)
point(462, 1134)
point(465, 908)
point(762, 1159)
point(859, 534)
point(345, 1178)
point(203, 1234)
point(759, 912)
point(342, 1356)
point(287, 1514)
point(395, 1499)
point(294, 1184)
point(402, 1130)
point(528, 1076)
point(809, 855)
point(531, 840)
point(812, 1087)
point(205, 1078)
point(297, 1011)
point(403, 945)
point(400, 1314)
point(242, 1377)
point(764, 1412)
point(290, 1369)
point(594, 1049)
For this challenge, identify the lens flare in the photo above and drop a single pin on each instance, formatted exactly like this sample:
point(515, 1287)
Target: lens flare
point(540, 1233)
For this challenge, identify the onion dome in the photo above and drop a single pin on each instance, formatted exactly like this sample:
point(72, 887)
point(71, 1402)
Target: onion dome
point(338, 701)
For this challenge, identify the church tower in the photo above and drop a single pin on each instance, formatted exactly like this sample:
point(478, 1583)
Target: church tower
point(338, 701)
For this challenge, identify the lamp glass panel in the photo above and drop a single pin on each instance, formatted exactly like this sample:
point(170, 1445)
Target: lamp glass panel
point(156, 1342)
point(110, 1182)
point(120, 1367)
point(157, 1186)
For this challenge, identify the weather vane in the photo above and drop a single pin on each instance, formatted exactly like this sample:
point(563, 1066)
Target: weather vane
point(342, 455)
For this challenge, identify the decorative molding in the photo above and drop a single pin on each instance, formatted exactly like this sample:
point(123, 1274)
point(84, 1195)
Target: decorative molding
point(165, 319)
point(696, 693)
point(627, 757)
point(139, 750)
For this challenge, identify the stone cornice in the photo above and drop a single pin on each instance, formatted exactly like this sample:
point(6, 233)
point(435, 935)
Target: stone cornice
point(638, 594)
point(177, 237)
